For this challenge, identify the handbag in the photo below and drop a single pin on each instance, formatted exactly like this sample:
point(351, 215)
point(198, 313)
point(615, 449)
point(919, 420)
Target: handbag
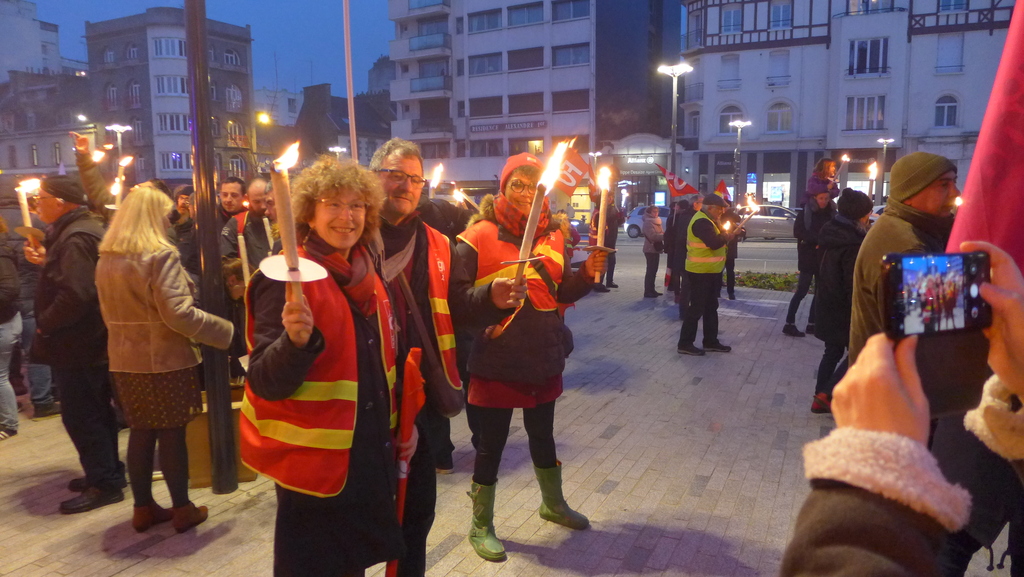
point(446, 399)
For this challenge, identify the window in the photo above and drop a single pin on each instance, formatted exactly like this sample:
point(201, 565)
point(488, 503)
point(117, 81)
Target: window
point(432, 68)
point(526, 103)
point(235, 130)
point(732, 20)
point(134, 94)
point(231, 58)
point(172, 122)
point(12, 156)
point(30, 120)
point(534, 146)
point(137, 134)
point(432, 26)
point(213, 91)
point(108, 55)
point(35, 155)
point(525, 14)
point(728, 114)
point(435, 149)
point(56, 154)
point(110, 97)
point(459, 26)
point(461, 109)
point(945, 111)
point(140, 166)
point(525, 59)
point(131, 52)
point(869, 56)
point(489, 20)
point(781, 15)
point(169, 47)
point(866, 6)
point(478, 148)
point(293, 105)
point(952, 5)
point(489, 106)
point(780, 118)
point(215, 126)
point(865, 113)
point(175, 161)
point(778, 68)
point(693, 124)
point(570, 100)
point(236, 166)
point(570, 55)
point(233, 95)
point(949, 57)
point(485, 64)
point(460, 67)
point(729, 72)
point(171, 85)
point(569, 9)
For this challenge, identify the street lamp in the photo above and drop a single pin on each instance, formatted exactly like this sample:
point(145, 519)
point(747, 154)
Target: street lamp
point(739, 125)
point(82, 118)
point(263, 118)
point(885, 142)
point(675, 71)
point(119, 129)
point(337, 150)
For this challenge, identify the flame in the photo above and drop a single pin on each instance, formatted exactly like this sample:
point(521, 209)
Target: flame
point(752, 205)
point(726, 226)
point(959, 201)
point(288, 159)
point(108, 146)
point(436, 178)
point(846, 158)
point(873, 171)
point(29, 185)
point(604, 177)
point(126, 161)
point(554, 167)
point(459, 196)
point(245, 203)
point(115, 189)
point(97, 155)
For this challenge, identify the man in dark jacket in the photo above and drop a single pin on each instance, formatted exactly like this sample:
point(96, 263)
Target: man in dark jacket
point(72, 339)
point(677, 258)
point(817, 211)
point(840, 240)
point(257, 236)
point(705, 260)
point(613, 223)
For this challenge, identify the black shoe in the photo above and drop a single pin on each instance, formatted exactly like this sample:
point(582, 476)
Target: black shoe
point(651, 295)
point(732, 297)
point(78, 485)
point(717, 348)
point(6, 433)
point(690, 350)
point(444, 465)
point(45, 411)
point(611, 285)
point(791, 331)
point(91, 498)
point(598, 287)
point(810, 329)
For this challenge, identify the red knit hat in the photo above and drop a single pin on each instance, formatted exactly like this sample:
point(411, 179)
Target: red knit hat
point(514, 162)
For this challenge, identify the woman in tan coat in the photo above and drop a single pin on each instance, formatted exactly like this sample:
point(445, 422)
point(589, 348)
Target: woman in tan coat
point(147, 303)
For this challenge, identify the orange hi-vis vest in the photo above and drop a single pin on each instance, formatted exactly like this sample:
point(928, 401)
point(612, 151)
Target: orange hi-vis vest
point(439, 266)
point(303, 442)
point(491, 252)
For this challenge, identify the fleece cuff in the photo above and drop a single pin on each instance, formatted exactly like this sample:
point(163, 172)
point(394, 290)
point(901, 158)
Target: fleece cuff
point(891, 465)
point(995, 422)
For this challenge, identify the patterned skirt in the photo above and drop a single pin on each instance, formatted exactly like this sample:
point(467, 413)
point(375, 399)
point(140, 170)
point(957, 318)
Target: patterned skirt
point(159, 400)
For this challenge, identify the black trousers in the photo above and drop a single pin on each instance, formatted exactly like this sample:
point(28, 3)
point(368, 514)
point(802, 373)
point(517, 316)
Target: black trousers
point(88, 418)
point(420, 502)
point(653, 260)
point(610, 274)
point(704, 290)
point(730, 273)
point(802, 286)
point(494, 424)
point(830, 370)
point(683, 293)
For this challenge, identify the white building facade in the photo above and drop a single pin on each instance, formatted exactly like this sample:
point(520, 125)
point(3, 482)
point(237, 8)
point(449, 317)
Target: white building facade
point(818, 78)
point(282, 106)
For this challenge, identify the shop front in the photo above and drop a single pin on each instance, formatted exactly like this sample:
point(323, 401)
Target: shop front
point(640, 179)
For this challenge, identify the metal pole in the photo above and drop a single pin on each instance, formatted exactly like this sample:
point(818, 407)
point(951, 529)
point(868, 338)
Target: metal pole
point(223, 471)
point(885, 147)
point(675, 122)
point(119, 155)
point(736, 165)
point(349, 86)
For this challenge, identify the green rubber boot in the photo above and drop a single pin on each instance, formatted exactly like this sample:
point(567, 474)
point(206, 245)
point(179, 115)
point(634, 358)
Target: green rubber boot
point(553, 506)
point(481, 531)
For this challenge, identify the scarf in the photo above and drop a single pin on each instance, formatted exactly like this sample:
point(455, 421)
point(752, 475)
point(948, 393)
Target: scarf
point(354, 276)
point(936, 228)
point(513, 220)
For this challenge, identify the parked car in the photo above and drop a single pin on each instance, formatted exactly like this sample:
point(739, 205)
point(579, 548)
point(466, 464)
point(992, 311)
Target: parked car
point(770, 222)
point(635, 220)
point(875, 213)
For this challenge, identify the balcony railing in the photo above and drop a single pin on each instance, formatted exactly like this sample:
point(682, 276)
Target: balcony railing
point(420, 125)
point(430, 83)
point(861, 11)
point(414, 4)
point(867, 71)
point(693, 92)
point(238, 140)
point(775, 81)
point(954, 69)
point(691, 40)
point(731, 84)
point(428, 41)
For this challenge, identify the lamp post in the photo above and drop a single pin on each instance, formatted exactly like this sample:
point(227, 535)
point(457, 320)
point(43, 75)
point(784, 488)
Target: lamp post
point(119, 129)
point(675, 71)
point(337, 150)
point(739, 125)
point(885, 142)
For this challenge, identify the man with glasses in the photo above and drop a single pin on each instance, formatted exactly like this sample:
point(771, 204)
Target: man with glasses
point(72, 339)
point(444, 296)
point(249, 224)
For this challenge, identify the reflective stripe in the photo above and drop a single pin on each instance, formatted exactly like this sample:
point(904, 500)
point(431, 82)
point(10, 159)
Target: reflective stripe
point(696, 245)
point(295, 435)
point(445, 342)
point(326, 391)
point(440, 306)
point(705, 258)
point(548, 251)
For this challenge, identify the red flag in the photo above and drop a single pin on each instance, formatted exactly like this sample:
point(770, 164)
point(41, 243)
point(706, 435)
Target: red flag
point(997, 169)
point(676, 185)
point(573, 169)
point(722, 191)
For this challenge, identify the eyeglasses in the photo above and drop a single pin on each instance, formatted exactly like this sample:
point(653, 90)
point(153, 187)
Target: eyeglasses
point(399, 177)
point(519, 186)
point(334, 206)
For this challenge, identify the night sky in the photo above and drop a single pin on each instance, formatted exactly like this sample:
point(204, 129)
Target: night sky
point(307, 30)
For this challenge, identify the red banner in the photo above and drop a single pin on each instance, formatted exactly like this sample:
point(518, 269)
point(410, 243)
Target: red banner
point(676, 185)
point(574, 168)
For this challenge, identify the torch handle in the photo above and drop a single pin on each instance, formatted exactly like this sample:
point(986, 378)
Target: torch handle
point(602, 222)
point(270, 236)
point(530, 230)
point(243, 254)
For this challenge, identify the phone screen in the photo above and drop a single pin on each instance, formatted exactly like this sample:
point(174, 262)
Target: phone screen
point(936, 293)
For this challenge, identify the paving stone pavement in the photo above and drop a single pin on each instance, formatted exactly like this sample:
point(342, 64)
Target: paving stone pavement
point(684, 465)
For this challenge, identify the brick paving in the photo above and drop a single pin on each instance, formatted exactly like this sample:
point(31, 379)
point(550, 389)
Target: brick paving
point(685, 466)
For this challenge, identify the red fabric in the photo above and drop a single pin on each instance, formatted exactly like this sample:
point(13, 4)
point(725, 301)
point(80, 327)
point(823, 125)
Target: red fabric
point(355, 278)
point(514, 220)
point(994, 190)
point(722, 191)
point(508, 395)
point(514, 162)
point(676, 185)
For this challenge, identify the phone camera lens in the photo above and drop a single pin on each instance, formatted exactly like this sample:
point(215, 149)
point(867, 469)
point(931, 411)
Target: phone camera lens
point(974, 291)
point(974, 312)
point(973, 268)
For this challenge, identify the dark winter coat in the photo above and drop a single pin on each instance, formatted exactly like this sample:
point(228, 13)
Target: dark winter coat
point(28, 273)
point(677, 252)
point(443, 216)
point(805, 228)
point(70, 327)
point(840, 240)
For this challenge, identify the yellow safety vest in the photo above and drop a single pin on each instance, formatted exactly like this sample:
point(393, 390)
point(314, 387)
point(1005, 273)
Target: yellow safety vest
point(700, 258)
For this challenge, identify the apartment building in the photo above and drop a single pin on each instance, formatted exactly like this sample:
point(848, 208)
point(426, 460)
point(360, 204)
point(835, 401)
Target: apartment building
point(478, 81)
point(823, 78)
point(139, 75)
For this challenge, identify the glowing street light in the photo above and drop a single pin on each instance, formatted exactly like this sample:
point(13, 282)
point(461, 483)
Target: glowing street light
point(675, 71)
point(119, 129)
point(263, 118)
point(885, 142)
point(739, 125)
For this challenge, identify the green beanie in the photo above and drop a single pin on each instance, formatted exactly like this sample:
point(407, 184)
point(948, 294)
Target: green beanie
point(914, 172)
